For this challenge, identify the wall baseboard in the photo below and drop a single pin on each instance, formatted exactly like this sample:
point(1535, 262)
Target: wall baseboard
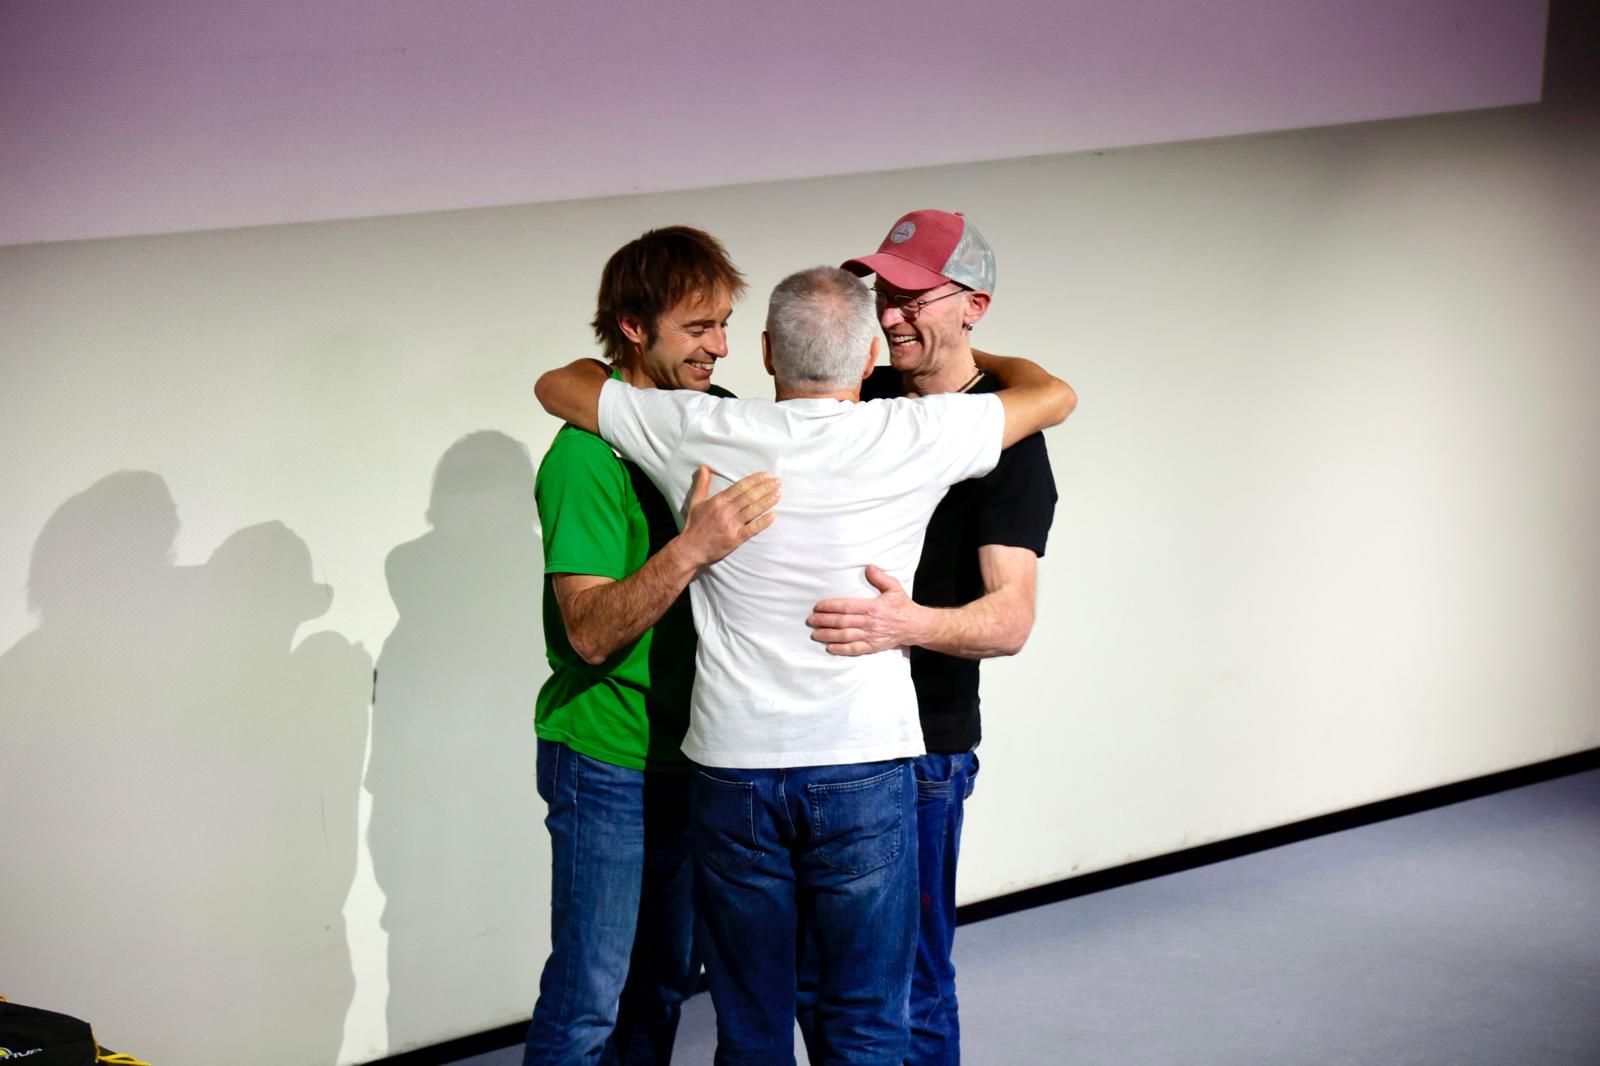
point(1234, 847)
point(1157, 866)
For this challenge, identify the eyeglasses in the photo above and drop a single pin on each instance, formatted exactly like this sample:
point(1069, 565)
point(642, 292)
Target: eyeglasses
point(909, 306)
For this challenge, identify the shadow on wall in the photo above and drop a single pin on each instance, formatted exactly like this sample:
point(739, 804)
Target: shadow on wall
point(181, 788)
point(455, 838)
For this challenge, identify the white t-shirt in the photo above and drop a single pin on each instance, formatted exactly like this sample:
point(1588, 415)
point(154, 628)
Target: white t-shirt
point(860, 481)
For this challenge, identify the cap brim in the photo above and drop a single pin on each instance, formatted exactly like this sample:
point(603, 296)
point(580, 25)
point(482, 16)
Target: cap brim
point(901, 273)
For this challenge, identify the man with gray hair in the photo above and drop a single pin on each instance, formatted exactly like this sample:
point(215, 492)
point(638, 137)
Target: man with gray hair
point(802, 807)
point(975, 587)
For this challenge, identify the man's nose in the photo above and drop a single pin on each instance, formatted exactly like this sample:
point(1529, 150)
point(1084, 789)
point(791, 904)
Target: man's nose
point(716, 342)
point(892, 316)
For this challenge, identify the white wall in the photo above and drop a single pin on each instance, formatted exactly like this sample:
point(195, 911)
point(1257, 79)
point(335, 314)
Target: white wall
point(1327, 534)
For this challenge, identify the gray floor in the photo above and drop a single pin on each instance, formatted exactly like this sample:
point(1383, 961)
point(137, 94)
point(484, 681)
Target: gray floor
point(1461, 936)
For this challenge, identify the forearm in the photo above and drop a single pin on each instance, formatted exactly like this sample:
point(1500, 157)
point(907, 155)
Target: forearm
point(607, 616)
point(602, 615)
point(993, 625)
point(996, 623)
point(572, 392)
point(1013, 372)
point(1034, 398)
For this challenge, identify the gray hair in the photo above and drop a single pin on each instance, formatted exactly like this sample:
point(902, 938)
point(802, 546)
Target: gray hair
point(821, 323)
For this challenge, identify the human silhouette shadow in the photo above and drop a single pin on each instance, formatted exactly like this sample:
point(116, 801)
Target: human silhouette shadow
point(184, 788)
point(455, 838)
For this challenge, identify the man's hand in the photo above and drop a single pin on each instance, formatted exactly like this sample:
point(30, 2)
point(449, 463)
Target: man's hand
point(602, 615)
point(863, 626)
point(996, 623)
point(715, 525)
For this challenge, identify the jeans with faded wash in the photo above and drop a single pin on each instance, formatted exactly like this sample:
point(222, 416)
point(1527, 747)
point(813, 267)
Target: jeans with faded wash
point(827, 852)
point(622, 957)
point(944, 782)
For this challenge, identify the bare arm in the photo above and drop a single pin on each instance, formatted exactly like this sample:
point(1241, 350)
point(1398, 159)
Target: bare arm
point(1034, 398)
point(996, 623)
point(572, 394)
point(603, 615)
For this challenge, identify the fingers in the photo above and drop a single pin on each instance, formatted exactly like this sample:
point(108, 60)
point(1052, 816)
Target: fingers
point(844, 641)
point(749, 503)
point(853, 609)
point(847, 642)
point(881, 580)
point(718, 524)
point(839, 615)
point(701, 488)
point(752, 496)
point(749, 481)
point(843, 629)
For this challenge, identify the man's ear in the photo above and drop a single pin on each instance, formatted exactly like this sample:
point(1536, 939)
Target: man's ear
point(766, 353)
point(632, 327)
point(872, 359)
point(977, 306)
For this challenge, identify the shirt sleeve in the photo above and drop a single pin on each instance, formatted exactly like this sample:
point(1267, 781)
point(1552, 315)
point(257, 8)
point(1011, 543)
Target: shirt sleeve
point(1017, 500)
point(580, 491)
point(646, 425)
point(961, 434)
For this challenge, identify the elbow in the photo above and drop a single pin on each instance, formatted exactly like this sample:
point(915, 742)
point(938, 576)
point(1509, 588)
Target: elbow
point(1066, 401)
point(1015, 635)
point(592, 657)
point(1011, 644)
point(586, 647)
point(542, 390)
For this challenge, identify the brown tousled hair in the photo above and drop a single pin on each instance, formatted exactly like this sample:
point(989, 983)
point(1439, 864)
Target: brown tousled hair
point(651, 274)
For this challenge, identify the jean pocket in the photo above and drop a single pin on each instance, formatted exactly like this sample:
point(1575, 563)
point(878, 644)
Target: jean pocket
point(723, 822)
point(859, 826)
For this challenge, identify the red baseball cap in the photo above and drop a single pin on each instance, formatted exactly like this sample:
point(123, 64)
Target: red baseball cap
point(927, 248)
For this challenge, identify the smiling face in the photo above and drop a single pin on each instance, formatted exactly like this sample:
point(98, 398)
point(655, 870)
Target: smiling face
point(925, 339)
point(682, 350)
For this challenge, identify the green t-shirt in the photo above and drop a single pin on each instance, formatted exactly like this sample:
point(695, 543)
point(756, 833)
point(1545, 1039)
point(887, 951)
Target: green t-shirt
point(602, 516)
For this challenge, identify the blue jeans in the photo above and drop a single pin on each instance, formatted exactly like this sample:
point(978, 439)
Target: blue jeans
point(943, 784)
point(622, 956)
point(824, 851)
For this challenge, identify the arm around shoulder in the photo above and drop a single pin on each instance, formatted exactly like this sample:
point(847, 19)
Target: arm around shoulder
point(1034, 399)
point(572, 392)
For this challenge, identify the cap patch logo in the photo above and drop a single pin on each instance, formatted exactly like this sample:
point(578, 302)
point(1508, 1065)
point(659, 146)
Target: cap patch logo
point(903, 232)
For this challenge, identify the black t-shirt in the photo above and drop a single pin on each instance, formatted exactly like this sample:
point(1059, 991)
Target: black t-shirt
point(1011, 505)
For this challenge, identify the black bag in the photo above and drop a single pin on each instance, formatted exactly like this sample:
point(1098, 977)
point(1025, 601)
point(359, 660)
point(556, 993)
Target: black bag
point(33, 1037)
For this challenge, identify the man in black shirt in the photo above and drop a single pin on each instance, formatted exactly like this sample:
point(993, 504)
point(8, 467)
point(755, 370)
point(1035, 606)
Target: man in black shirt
point(975, 583)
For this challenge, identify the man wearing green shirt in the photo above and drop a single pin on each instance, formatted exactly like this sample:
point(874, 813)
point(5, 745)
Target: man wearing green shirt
point(621, 642)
